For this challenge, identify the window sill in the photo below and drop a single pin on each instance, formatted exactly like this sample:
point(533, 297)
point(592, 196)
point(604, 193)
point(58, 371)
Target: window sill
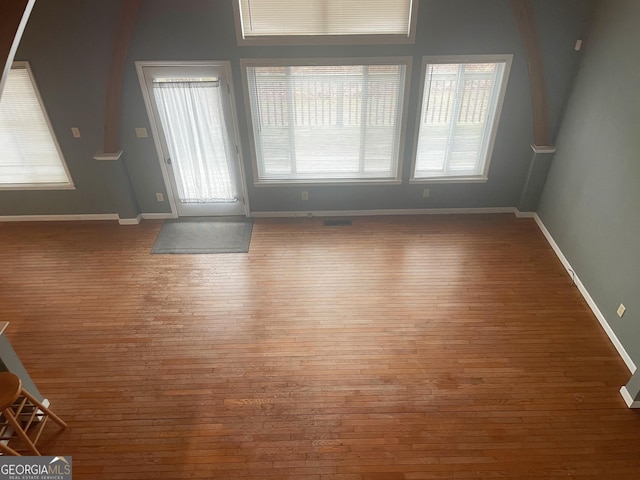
point(448, 180)
point(310, 40)
point(332, 182)
point(35, 186)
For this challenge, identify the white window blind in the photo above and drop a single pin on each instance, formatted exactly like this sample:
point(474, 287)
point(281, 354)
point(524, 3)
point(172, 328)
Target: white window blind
point(29, 154)
point(325, 17)
point(327, 122)
point(458, 118)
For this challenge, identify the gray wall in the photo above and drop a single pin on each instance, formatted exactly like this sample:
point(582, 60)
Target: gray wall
point(592, 196)
point(68, 44)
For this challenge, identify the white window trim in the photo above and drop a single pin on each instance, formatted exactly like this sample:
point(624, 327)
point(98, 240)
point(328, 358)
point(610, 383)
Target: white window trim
point(278, 62)
point(426, 60)
point(279, 40)
point(41, 186)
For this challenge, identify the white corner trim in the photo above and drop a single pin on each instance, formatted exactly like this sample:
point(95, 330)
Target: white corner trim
point(582, 289)
point(520, 214)
point(58, 218)
point(157, 216)
point(108, 156)
point(363, 213)
point(631, 403)
point(130, 221)
point(543, 148)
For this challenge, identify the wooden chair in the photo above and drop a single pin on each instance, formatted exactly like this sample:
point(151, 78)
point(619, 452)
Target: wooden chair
point(22, 417)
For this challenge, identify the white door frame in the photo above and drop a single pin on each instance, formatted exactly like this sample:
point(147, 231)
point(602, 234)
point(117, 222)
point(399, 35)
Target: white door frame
point(155, 130)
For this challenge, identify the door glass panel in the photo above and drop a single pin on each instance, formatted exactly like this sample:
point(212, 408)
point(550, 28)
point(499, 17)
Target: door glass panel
point(193, 121)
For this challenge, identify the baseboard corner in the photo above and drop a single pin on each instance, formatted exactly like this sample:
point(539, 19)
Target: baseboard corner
point(130, 221)
point(520, 214)
point(628, 399)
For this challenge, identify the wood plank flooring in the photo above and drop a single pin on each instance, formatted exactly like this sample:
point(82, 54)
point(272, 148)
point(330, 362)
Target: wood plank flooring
point(426, 347)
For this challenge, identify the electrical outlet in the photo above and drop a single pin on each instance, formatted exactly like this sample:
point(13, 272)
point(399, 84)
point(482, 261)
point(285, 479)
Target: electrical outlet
point(160, 197)
point(425, 193)
point(621, 310)
point(305, 195)
point(141, 133)
point(75, 132)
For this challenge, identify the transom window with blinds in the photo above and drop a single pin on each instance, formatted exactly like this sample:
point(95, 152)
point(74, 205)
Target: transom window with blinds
point(325, 21)
point(460, 109)
point(30, 157)
point(326, 122)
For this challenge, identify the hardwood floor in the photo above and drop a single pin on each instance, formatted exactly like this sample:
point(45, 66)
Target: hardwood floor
point(425, 347)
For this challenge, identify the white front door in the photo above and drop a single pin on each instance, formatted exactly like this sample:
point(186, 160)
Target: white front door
point(192, 109)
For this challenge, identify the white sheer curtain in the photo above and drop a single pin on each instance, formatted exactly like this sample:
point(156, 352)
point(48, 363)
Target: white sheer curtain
point(193, 123)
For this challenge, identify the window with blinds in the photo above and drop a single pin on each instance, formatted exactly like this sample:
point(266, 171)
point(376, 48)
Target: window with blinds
point(325, 21)
point(29, 154)
point(326, 122)
point(461, 102)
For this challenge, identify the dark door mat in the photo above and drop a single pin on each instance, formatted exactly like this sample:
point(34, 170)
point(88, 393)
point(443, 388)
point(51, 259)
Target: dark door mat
point(204, 235)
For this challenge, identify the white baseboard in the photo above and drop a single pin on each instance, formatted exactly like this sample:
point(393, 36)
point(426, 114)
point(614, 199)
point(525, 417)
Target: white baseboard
point(294, 214)
point(592, 304)
point(407, 211)
point(86, 216)
point(631, 403)
point(130, 221)
point(156, 216)
point(59, 218)
point(520, 214)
